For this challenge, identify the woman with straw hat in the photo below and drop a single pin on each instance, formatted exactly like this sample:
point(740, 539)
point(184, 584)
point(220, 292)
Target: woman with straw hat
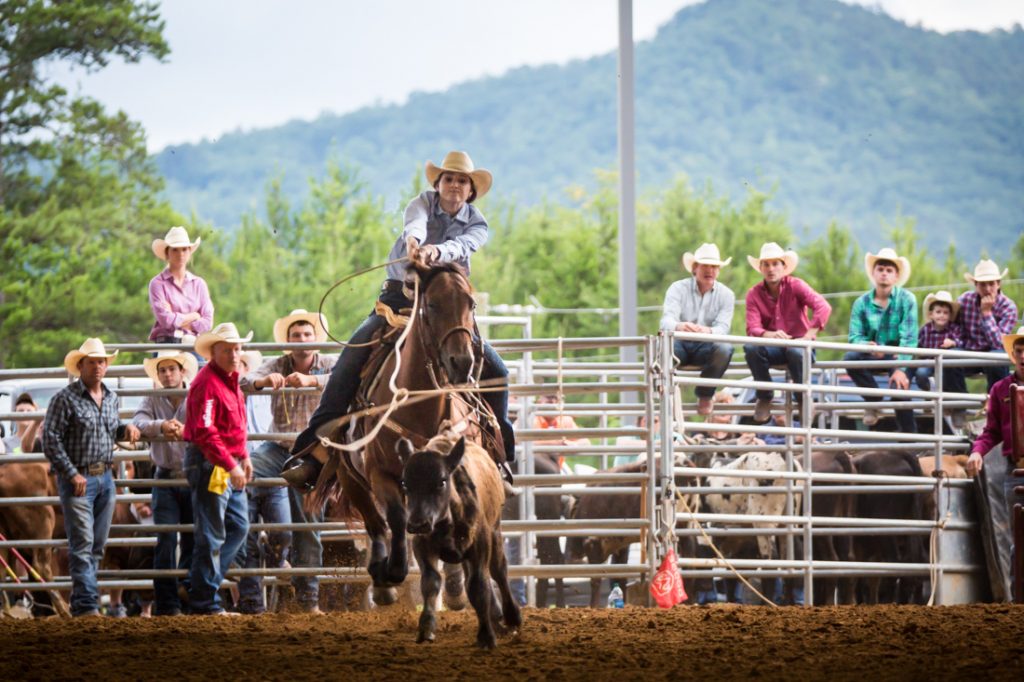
point(179, 299)
point(443, 226)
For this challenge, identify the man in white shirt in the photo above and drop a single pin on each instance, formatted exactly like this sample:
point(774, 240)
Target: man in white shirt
point(703, 305)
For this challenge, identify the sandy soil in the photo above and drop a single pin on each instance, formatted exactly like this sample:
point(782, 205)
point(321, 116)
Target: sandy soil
point(863, 643)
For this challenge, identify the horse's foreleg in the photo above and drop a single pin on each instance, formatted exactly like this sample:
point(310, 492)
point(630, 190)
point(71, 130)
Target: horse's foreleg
point(398, 560)
point(430, 585)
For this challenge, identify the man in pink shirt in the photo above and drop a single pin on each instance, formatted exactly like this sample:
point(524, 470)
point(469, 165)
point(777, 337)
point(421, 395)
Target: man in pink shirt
point(777, 309)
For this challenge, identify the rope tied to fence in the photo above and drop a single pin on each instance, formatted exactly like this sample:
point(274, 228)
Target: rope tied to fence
point(718, 552)
point(940, 524)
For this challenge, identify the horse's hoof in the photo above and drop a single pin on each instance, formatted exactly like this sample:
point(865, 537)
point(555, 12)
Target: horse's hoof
point(395, 576)
point(486, 643)
point(455, 602)
point(384, 596)
point(427, 637)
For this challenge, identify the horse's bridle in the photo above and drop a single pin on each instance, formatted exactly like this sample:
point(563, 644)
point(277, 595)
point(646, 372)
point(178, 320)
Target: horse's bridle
point(434, 353)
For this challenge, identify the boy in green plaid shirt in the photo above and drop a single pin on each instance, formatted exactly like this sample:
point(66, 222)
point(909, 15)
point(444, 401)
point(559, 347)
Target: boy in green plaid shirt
point(884, 316)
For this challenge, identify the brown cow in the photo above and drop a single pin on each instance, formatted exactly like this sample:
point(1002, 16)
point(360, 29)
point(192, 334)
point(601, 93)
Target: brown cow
point(31, 522)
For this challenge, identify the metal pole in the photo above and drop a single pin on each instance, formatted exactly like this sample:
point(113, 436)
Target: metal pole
point(627, 186)
point(806, 417)
point(938, 494)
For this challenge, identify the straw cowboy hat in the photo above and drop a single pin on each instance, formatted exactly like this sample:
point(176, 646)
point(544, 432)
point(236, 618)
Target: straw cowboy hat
point(92, 348)
point(318, 321)
point(187, 361)
point(941, 297)
point(225, 332)
point(902, 264)
point(252, 359)
point(459, 162)
point(772, 251)
point(986, 271)
point(706, 254)
point(176, 237)
point(1009, 340)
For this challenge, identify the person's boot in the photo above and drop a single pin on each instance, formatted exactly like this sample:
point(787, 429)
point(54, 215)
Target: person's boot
point(301, 472)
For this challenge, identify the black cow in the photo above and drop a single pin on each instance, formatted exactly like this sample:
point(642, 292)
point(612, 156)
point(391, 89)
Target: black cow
point(454, 495)
point(890, 548)
point(833, 547)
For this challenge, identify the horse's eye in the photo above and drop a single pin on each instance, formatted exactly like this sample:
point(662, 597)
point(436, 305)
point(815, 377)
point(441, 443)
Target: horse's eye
point(442, 483)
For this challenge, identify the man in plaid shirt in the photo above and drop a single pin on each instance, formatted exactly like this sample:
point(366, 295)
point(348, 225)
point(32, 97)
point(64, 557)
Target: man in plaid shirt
point(300, 368)
point(80, 429)
point(884, 316)
point(986, 315)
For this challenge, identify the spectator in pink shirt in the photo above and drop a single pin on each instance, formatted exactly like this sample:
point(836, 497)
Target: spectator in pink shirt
point(777, 309)
point(180, 300)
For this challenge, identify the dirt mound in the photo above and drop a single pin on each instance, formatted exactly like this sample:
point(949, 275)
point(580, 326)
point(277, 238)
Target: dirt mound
point(862, 643)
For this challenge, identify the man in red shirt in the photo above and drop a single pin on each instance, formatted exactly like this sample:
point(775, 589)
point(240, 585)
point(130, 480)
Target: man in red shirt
point(216, 465)
point(777, 309)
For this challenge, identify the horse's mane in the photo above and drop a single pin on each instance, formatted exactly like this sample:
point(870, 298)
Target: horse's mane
point(426, 275)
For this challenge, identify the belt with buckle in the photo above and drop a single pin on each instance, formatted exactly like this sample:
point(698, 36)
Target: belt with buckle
point(97, 468)
point(392, 285)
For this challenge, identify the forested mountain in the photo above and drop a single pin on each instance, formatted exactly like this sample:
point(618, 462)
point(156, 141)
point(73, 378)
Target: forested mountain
point(839, 111)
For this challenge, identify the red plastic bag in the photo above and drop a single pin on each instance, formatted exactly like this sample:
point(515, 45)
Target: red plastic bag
point(667, 585)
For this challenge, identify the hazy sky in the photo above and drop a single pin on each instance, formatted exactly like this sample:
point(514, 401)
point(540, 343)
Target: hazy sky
point(258, 63)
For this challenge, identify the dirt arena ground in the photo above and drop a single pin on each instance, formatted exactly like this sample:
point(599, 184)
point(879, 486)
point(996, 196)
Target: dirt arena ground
point(846, 643)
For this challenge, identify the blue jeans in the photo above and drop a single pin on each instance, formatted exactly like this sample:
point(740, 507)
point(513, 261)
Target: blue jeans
point(344, 382)
point(923, 376)
point(170, 506)
point(760, 359)
point(954, 379)
point(712, 358)
point(865, 378)
point(221, 523)
point(87, 524)
point(306, 549)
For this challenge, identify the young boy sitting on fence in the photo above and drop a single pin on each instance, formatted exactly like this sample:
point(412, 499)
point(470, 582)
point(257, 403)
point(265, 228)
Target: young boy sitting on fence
point(940, 331)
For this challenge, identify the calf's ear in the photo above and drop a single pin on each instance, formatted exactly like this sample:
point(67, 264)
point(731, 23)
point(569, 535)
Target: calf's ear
point(454, 457)
point(404, 449)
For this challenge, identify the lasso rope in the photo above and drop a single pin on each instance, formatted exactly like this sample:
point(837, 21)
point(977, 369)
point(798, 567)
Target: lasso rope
point(933, 539)
point(728, 564)
point(357, 273)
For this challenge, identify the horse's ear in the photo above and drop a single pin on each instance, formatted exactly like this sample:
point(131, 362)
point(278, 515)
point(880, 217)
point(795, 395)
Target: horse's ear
point(454, 457)
point(404, 449)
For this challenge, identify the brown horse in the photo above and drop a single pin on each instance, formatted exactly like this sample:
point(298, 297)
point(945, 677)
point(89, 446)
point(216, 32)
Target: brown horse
point(441, 348)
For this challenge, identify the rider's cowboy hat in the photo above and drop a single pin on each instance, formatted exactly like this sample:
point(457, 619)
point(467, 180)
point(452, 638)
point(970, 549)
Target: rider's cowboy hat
point(772, 251)
point(459, 162)
point(902, 264)
point(986, 271)
point(318, 321)
point(941, 297)
point(187, 361)
point(225, 332)
point(92, 348)
point(706, 254)
point(176, 237)
point(1009, 340)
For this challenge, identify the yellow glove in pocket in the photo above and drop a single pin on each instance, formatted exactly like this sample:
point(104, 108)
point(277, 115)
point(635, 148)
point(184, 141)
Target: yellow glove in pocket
point(219, 478)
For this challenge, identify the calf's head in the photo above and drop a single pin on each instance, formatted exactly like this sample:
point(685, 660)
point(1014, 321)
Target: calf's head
point(426, 478)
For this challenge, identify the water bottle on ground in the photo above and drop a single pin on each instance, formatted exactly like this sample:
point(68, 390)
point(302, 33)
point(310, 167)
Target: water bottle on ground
point(615, 598)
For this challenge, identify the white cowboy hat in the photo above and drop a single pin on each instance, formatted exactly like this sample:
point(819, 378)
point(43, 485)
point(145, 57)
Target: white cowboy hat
point(318, 321)
point(706, 254)
point(902, 264)
point(188, 362)
point(459, 162)
point(252, 359)
point(92, 348)
point(176, 237)
point(772, 251)
point(986, 271)
point(1009, 340)
point(225, 332)
point(941, 297)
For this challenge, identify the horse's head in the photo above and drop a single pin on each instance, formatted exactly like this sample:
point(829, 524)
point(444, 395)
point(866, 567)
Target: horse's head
point(446, 309)
point(426, 477)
